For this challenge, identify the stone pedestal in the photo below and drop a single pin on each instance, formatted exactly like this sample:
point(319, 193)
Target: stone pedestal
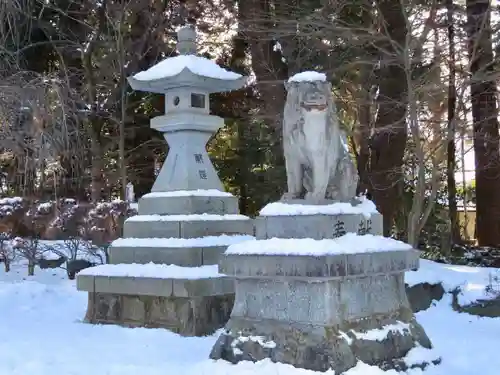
point(163, 271)
point(320, 304)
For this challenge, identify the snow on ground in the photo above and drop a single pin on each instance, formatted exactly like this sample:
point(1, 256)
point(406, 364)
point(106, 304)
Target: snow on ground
point(366, 208)
point(42, 334)
point(349, 243)
point(474, 282)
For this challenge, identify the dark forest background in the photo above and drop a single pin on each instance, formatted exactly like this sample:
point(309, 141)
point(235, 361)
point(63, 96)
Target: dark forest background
point(415, 83)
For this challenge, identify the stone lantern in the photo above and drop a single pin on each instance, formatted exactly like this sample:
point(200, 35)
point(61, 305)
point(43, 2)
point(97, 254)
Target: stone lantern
point(163, 272)
point(187, 81)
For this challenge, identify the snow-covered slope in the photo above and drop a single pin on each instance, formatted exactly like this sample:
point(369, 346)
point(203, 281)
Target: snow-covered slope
point(472, 283)
point(42, 334)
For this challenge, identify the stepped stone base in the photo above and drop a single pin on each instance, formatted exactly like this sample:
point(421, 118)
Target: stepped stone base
point(163, 271)
point(198, 316)
point(318, 347)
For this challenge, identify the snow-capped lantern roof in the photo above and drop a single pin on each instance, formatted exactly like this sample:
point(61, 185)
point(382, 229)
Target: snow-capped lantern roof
point(187, 70)
point(308, 76)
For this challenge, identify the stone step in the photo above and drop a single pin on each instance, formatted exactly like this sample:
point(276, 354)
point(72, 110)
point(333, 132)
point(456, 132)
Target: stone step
point(351, 255)
point(317, 226)
point(188, 202)
point(191, 252)
point(154, 280)
point(191, 301)
point(186, 226)
point(300, 219)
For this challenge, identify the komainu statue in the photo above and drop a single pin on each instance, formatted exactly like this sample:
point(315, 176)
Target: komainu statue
point(318, 164)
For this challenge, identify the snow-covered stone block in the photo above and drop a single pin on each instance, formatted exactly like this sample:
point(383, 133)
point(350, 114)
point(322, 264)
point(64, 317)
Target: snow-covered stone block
point(349, 255)
point(198, 316)
point(186, 252)
point(188, 202)
point(317, 225)
point(296, 219)
point(298, 207)
point(186, 226)
point(181, 299)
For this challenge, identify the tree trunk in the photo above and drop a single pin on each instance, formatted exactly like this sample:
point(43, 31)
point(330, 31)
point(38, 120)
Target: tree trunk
point(94, 123)
point(6, 264)
point(31, 268)
point(464, 184)
point(451, 149)
point(485, 123)
point(269, 70)
point(123, 109)
point(96, 193)
point(362, 135)
point(389, 140)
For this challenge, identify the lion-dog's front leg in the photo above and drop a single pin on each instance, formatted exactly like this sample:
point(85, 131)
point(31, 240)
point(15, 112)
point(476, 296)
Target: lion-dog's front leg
point(294, 172)
point(321, 167)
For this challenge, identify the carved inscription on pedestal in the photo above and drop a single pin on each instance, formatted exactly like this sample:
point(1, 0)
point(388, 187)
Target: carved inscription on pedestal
point(365, 227)
point(339, 229)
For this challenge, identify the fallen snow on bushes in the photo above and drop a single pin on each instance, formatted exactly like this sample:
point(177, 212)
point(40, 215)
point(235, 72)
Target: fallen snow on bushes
point(473, 283)
point(52, 250)
point(43, 334)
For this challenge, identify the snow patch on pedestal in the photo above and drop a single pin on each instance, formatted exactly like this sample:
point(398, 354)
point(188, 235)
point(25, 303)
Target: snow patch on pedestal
point(381, 334)
point(366, 208)
point(258, 339)
point(188, 193)
point(152, 270)
point(197, 217)
point(308, 76)
point(346, 337)
point(173, 66)
point(349, 243)
point(223, 240)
